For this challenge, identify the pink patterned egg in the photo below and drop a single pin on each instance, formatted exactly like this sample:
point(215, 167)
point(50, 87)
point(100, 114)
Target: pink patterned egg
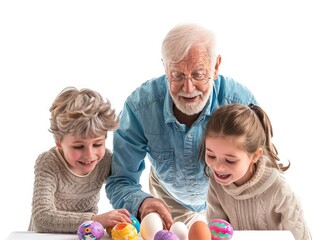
point(165, 235)
point(90, 230)
point(220, 229)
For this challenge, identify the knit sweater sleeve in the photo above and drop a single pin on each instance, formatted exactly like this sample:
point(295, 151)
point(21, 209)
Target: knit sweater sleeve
point(62, 201)
point(288, 205)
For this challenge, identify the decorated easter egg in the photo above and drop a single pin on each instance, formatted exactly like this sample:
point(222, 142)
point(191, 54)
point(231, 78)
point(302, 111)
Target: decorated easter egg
point(199, 230)
point(109, 230)
point(180, 229)
point(150, 225)
point(90, 230)
point(220, 229)
point(165, 235)
point(135, 223)
point(124, 230)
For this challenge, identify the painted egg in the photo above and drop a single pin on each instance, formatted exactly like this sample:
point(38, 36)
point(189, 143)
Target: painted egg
point(199, 230)
point(90, 230)
point(220, 229)
point(124, 230)
point(135, 223)
point(180, 229)
point(165, 235)
point(109, 230)
point(150, 225)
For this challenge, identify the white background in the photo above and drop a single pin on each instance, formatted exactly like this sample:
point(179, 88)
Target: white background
point(114, 46)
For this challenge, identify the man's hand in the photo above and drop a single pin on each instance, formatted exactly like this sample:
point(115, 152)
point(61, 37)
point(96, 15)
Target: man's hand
point(156, 205)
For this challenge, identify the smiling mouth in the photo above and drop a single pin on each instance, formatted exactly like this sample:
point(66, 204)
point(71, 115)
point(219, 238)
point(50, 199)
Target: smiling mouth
point(86, 163)
point(190, 99)
point(221, 176)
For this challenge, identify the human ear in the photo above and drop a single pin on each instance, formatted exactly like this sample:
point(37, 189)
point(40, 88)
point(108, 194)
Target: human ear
point(257, 154)
point(216, 70)
point(164, 65)
point(58, 144)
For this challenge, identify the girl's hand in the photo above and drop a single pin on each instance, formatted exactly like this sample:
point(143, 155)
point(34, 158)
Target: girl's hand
point(113, 217)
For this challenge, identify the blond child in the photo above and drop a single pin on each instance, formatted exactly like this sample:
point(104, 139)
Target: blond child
point(69, 176)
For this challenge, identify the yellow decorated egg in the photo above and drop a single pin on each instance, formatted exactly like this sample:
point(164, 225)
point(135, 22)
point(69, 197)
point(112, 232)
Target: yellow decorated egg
point(124, 230)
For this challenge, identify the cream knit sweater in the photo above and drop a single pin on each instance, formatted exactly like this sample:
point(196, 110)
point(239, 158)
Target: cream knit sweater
point(266, 202)
point(63, 200)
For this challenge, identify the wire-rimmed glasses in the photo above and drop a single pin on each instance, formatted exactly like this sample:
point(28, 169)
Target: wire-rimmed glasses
point(178, 78)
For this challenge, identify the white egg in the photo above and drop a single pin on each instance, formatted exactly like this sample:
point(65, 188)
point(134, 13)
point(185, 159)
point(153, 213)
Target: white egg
point(150, 225)
point(180, 230)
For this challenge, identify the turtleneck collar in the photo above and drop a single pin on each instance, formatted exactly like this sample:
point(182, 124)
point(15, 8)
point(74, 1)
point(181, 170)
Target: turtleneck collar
point(263, 178)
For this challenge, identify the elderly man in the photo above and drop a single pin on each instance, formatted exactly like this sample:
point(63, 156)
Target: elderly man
point(164, 120)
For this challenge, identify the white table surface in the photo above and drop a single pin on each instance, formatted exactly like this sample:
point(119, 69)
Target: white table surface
point(238, 235)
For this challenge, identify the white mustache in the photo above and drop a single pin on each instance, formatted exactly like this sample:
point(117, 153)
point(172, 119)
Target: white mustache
point(189, 95)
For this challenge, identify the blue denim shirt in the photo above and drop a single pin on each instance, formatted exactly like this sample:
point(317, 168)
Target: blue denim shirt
point(148, 128)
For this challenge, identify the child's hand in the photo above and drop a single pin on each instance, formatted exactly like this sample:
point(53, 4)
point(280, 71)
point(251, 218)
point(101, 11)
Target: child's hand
point(111, 218)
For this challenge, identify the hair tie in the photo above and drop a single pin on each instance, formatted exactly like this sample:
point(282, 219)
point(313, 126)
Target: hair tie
point(251, 105)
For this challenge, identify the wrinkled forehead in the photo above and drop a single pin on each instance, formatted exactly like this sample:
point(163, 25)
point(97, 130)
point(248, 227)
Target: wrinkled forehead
point(197, 57)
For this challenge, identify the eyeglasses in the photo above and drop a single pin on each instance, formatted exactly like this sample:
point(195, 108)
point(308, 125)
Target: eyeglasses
point(178, 78)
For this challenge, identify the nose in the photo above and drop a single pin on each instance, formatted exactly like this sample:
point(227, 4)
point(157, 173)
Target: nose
point(188, 86)
point(89, 153)
point(218, 166)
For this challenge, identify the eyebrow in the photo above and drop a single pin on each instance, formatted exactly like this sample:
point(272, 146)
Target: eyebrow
point(195, 69)
point(227, 155)
point(209, 150)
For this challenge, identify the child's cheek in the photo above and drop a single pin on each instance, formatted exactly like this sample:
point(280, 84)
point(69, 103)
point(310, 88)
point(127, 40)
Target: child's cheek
point(76, 155)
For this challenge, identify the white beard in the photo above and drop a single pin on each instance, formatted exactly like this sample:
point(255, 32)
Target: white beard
point(192, 108)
